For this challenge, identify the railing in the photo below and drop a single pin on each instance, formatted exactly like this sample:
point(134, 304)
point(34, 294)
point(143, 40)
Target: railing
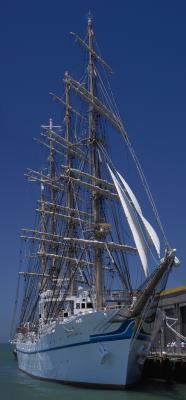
point(171, 350)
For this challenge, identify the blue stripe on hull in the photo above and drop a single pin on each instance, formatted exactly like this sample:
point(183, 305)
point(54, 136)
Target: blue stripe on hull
point(92, 341)
point(124, 332)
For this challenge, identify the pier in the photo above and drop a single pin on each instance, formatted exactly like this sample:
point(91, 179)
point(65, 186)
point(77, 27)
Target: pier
point(166, 366)
point(167, 359)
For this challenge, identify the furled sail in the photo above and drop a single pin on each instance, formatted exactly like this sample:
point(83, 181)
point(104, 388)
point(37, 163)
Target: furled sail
point(150, 230)
point(133, 223)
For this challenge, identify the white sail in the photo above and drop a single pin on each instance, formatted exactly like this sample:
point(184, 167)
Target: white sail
point(152, 233)
point(130, 193)
point(150, 230)
point(133, 223)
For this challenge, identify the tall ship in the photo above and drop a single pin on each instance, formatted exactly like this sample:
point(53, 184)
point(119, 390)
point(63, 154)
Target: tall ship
point(93, 266)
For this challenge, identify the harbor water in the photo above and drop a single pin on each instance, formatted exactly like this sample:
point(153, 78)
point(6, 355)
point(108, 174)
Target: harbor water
point(15, 385)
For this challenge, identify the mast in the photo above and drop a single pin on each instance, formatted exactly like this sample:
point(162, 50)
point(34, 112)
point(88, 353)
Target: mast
point(69, 198)
point(52, 198)
point(96, 202)
point(42, 243)
point(52, 222)
point(42, 250)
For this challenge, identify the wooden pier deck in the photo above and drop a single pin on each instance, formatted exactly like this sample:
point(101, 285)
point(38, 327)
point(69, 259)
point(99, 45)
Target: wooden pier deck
point(166, 366)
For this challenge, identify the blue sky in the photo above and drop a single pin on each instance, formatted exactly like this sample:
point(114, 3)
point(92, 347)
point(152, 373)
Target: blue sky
point(144, 42)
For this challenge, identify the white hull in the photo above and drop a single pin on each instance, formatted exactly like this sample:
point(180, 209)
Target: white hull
point(88, 349)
